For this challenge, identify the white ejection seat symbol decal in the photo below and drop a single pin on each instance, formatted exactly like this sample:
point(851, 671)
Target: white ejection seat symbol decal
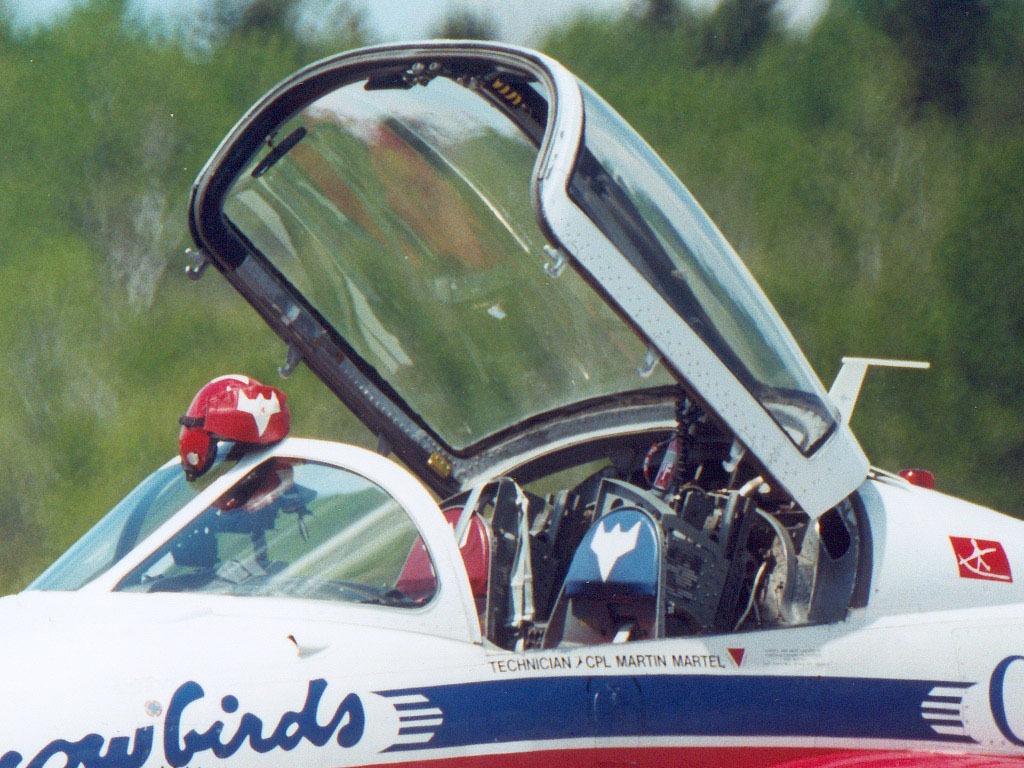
point(609, 544)
point(975, 562)
point(261, 408)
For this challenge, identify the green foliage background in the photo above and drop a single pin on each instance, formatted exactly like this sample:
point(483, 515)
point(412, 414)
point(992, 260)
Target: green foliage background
point(880, 223)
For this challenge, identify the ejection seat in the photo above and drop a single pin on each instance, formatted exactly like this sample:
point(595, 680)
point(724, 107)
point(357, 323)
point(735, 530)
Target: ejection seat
point(612, 588)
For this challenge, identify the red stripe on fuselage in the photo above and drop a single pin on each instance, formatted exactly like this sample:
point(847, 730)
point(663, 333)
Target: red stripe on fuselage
point(720, 757)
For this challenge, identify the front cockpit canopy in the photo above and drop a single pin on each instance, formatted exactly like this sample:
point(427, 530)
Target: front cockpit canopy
point(288, 527)
point(467, 244)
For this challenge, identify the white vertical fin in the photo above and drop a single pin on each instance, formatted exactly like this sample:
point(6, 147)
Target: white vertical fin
point(846, 387)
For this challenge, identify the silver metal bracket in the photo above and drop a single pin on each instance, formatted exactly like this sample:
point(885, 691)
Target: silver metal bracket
point(651, 360)
point(556, 266)
point(421, 74)
point(200, 261)
point(736, 453)
point(291, 362)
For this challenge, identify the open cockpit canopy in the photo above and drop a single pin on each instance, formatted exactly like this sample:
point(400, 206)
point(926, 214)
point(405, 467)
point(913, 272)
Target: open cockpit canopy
point(485, 262)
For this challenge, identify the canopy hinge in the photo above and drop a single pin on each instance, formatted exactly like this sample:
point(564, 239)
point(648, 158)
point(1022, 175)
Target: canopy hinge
point(200, 261)
point(291, 362)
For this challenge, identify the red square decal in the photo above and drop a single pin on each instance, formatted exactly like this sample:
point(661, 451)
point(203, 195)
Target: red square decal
point(980, 559)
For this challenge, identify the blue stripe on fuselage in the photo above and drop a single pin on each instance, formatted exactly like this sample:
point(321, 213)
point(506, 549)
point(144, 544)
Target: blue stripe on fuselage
point(548, 708)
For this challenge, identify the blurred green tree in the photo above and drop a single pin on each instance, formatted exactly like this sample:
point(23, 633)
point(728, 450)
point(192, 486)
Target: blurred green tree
point(736, 29)
point(464, 24)
point(979, 260)
point(940, 39)
point(872, 233)
point(105, 124)
point(662, 14)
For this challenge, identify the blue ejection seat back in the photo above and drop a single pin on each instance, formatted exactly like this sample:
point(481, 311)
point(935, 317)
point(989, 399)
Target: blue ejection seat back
point(613, 584)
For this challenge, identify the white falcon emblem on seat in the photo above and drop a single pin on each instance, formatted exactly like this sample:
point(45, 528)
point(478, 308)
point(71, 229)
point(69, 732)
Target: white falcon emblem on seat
point(609, 544)
point(261, 408)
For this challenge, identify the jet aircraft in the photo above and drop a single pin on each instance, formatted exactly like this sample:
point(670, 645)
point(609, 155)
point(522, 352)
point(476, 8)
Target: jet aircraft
point(614, 518)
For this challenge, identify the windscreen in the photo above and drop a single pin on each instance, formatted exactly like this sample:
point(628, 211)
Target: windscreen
point(404, 217)
point(641, 206)
point(152, 503)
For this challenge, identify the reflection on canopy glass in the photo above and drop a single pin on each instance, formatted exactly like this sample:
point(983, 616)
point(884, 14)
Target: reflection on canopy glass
point(405, 218)
point(650, 216)
point(291, 528)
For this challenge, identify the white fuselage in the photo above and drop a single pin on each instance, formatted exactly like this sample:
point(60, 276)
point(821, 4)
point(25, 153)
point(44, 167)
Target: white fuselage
point(932, 664)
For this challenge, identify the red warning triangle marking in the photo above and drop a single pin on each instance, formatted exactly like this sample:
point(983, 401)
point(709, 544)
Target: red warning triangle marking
point(737, 655)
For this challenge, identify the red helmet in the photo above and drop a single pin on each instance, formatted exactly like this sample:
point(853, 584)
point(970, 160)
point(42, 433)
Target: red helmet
point(233, 408)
